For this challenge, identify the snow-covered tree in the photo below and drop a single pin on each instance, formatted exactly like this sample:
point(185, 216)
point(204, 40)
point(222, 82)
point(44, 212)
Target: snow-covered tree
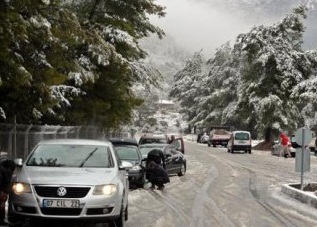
point(265, 81)
point(34, 62)
point(272, 64)
point(219, 90)
point(186, 87)
point(71, 65)
point(305, 93)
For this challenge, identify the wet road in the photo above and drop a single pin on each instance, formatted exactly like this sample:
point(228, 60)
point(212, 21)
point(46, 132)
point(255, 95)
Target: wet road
point(224, 189)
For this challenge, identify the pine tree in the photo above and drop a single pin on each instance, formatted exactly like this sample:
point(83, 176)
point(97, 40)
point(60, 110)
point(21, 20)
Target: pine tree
point(68, 65)
point(272, 61)
point(186, 85)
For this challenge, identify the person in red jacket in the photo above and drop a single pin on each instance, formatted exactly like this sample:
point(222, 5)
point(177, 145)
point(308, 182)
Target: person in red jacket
point(284, 146)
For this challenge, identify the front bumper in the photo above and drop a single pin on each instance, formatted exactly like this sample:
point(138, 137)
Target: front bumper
point(91, 207)
point(242, 147)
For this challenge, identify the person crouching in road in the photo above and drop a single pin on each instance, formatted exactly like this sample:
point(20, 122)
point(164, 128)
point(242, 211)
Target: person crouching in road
point(159, 176)
point(284, 146)
point(152, 172)
point(7, 168)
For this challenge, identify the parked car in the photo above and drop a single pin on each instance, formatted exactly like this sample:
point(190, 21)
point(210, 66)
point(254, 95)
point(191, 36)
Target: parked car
point(178, 143)
point(293, 142)
point(277, 147)
point(128, 150)
point(175, 160)
point(312, 145)
point(204, 138)
point(70, 179)
point(153, 138)
point(240, 141)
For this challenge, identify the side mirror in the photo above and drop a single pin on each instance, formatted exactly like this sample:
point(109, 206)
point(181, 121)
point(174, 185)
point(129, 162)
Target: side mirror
point(126, 165)
point(18, 162)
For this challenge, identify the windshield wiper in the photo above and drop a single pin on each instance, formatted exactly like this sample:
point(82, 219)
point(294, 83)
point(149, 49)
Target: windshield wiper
point(88, 156)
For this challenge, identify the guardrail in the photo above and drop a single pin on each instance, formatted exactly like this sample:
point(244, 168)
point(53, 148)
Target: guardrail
point(17, 140)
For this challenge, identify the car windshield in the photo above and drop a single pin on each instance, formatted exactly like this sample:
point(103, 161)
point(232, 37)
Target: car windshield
point(62, 155)
point(176, 144)
point(128, 153)
point(241, 136)
point(147, 149)
point(152, 140)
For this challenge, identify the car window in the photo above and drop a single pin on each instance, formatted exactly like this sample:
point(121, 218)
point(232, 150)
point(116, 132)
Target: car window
point(54, 155)
point(176, 144)
point(242, 136)
point(128, 153)
point(146, 150)
point(152, 140)
point(169, 151)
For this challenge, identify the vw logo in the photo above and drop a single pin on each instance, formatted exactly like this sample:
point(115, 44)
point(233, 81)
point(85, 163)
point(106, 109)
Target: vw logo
point(61, 191)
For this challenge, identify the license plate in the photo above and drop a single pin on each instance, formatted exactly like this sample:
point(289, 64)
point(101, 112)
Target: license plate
point(242, 142)
point(61, 203)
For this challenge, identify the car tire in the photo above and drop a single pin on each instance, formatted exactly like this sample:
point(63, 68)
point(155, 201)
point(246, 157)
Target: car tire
point(14, 221)
point(126, 214)
point(142, 182)
point(120, 221)
point(232, 150)
point(182, 170)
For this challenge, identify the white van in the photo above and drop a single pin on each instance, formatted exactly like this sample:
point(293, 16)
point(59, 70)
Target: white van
point(240, 141)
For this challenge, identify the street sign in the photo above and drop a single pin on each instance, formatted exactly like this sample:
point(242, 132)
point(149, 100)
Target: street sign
point(303, 136)
point(302, 160)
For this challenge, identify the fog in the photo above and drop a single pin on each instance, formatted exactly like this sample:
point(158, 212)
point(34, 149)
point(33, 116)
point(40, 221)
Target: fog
point(207, 24)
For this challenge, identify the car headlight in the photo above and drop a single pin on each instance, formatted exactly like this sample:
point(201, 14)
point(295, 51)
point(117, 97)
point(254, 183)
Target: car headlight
point(136, 168)
point(21, 188)
point(106, 189)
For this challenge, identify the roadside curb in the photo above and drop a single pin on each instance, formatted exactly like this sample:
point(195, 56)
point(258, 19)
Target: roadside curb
point(299, 195)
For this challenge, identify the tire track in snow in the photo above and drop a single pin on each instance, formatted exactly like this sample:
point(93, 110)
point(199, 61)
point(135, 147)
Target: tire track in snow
point(202, 200)
point(168, 201)
point(254, 192)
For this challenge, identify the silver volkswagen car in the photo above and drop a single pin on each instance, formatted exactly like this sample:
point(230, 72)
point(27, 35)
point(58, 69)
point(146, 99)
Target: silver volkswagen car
point(70, 179)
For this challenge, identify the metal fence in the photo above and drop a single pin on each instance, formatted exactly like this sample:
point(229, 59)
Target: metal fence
point(16, 141)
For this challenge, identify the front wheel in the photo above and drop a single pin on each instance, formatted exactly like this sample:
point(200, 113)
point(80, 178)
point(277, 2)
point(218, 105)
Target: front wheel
point(142, 181)
point(15, 221)
point(182, 170)
point(121, 219)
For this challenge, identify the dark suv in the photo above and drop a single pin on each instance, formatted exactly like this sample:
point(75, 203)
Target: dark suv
point(178, 143)
point(153, 138)
point(128, 150)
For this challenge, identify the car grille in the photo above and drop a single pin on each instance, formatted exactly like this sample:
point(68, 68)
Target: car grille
point(72, 192)
point(61, 211)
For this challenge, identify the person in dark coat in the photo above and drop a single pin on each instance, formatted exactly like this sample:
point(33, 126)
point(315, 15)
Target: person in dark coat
point(157, 156)
point(159, 175)
point(154, 173)
point(7, 168)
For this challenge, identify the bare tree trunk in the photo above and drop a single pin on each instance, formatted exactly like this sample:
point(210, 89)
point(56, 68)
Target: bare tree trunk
point(268, 134)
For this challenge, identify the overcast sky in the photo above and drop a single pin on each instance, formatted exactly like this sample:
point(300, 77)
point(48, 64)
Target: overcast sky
point(197, 25)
